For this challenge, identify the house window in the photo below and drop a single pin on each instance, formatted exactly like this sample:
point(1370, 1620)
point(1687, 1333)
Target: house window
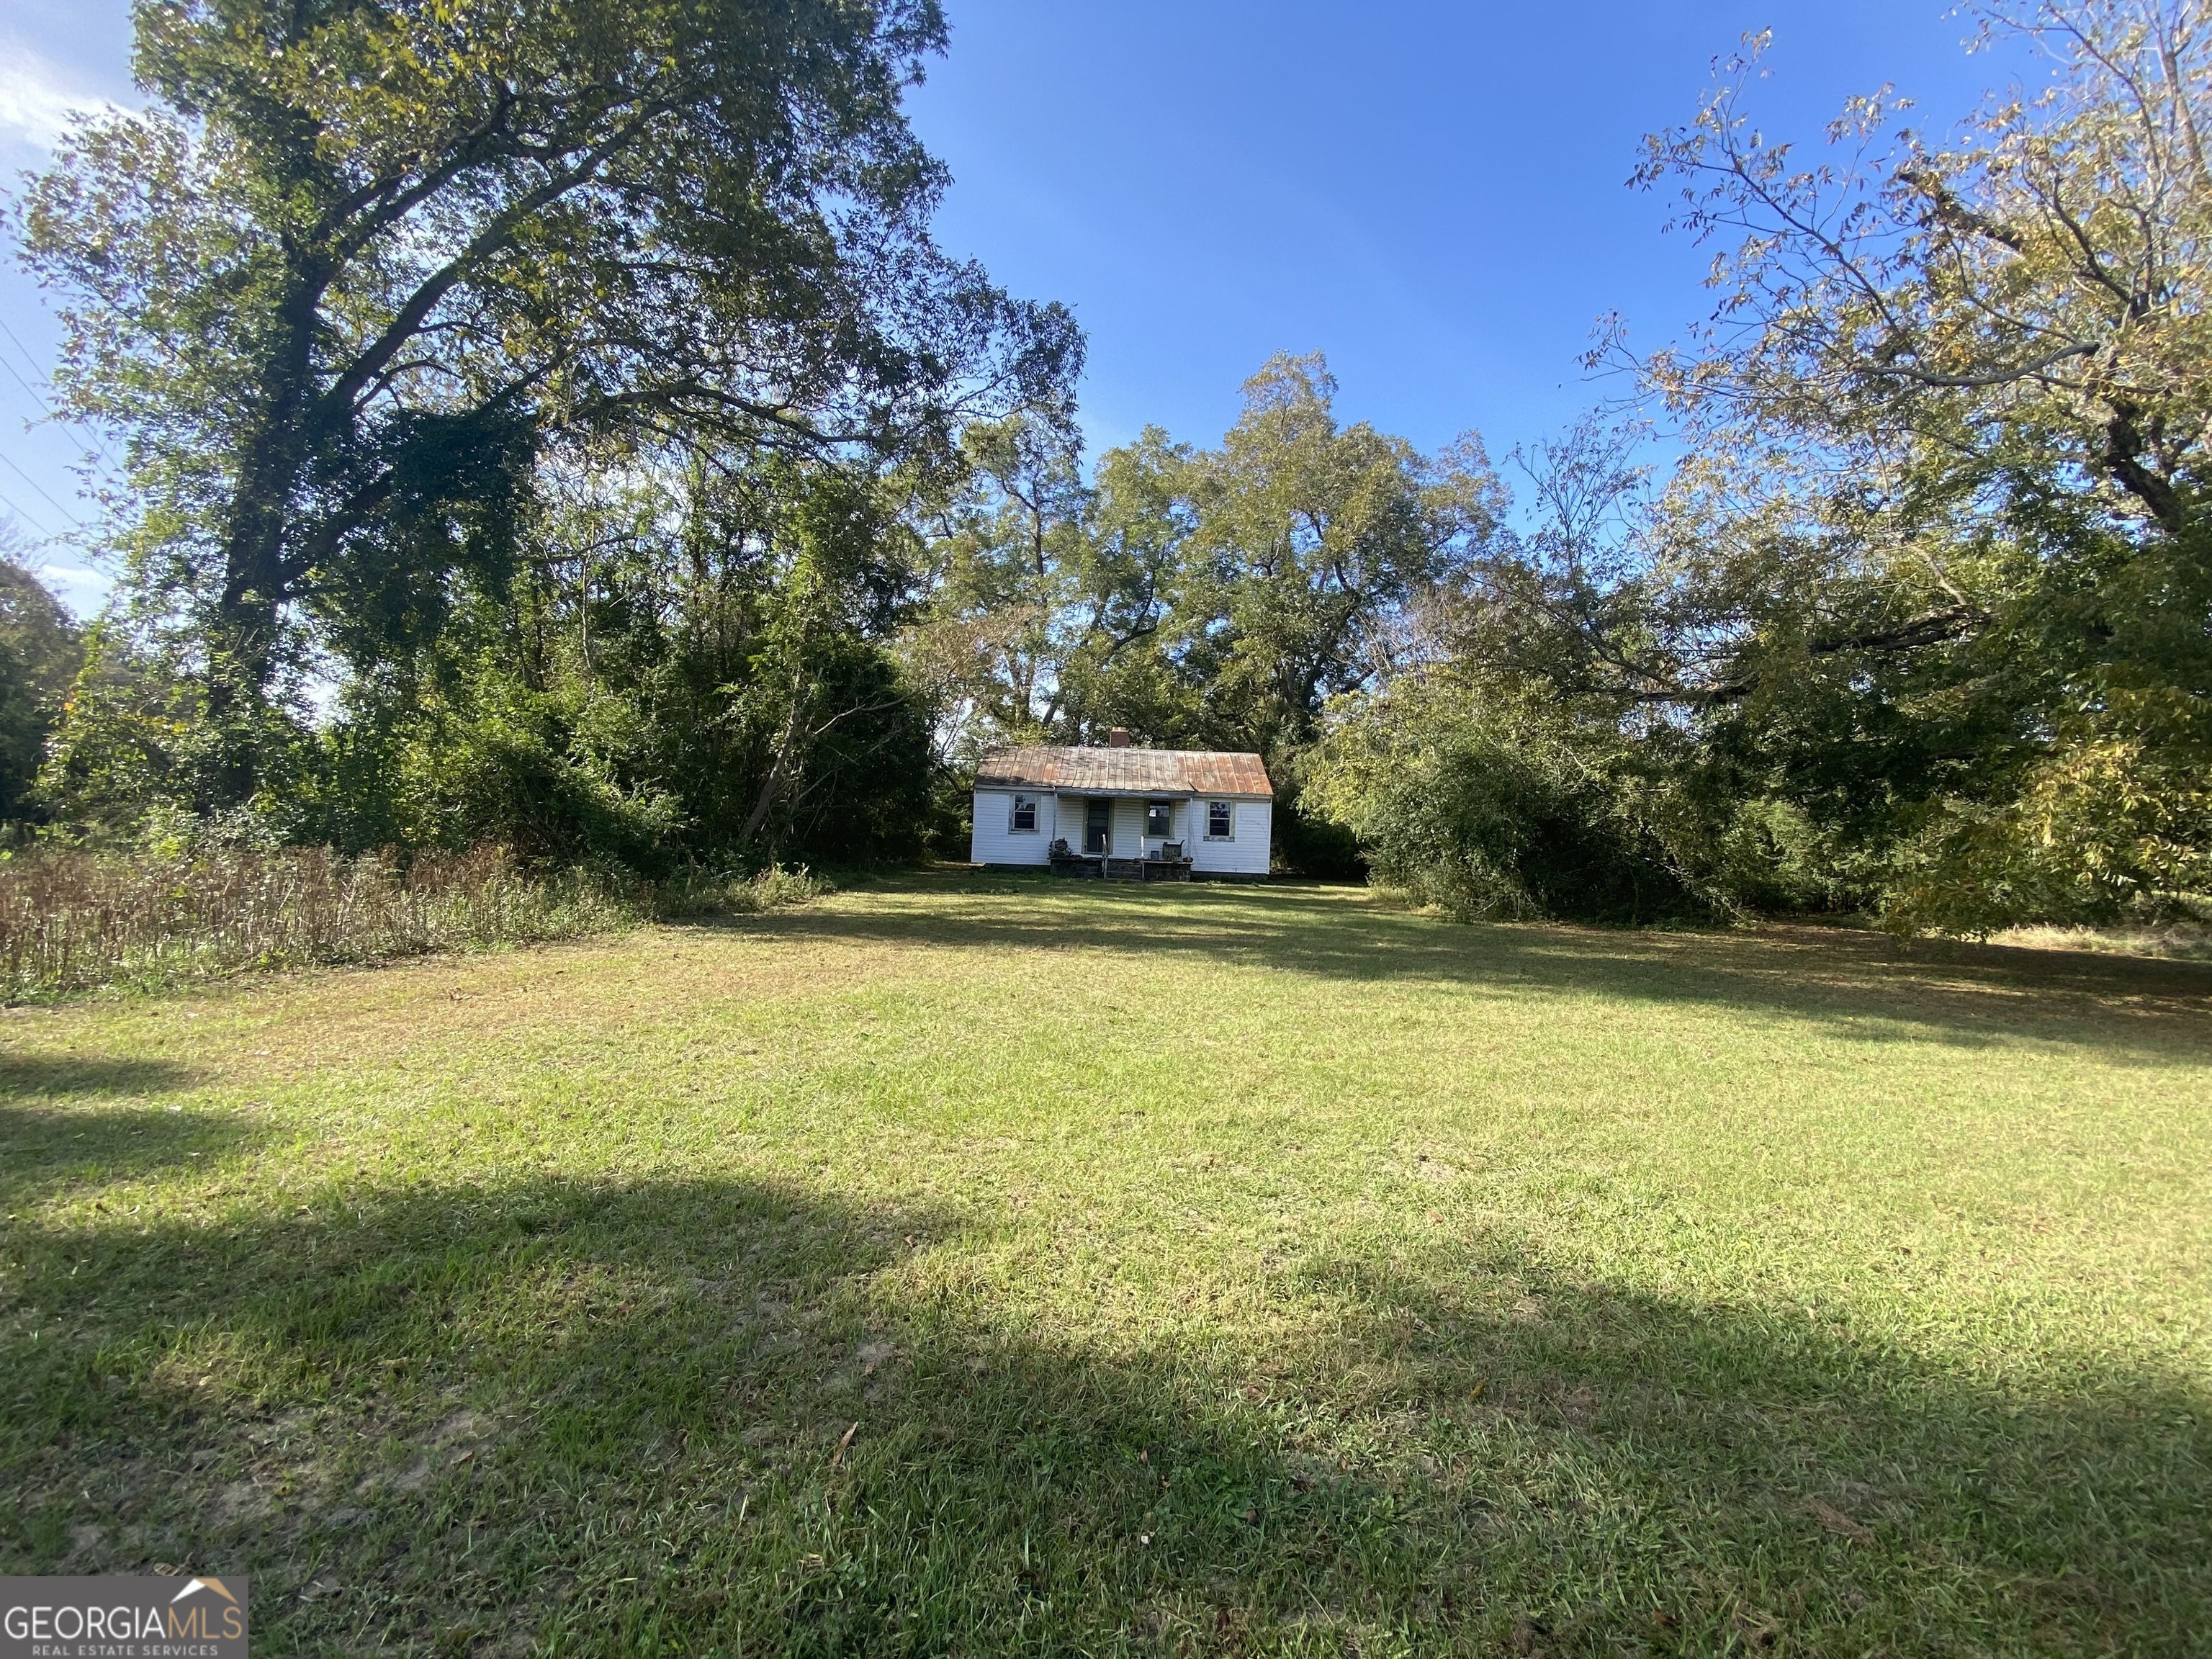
point(1219, 823)
point(1025, 817)
point(1159, 818)
point(1097, 825)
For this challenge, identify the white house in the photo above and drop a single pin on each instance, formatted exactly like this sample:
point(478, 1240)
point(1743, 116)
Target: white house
point(1124, 811)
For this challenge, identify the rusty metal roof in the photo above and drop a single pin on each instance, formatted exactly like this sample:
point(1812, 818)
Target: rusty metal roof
point(1124, 771)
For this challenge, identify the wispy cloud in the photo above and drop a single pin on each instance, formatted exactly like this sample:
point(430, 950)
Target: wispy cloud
point(35, 100)
point(82, 591)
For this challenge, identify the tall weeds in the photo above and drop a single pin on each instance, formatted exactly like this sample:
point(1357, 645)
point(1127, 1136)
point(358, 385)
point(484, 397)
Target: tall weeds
point(70, 920)
point(705, 893)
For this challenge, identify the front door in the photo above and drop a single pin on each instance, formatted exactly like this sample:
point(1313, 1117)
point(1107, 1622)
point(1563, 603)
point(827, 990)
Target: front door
point(1097, 826)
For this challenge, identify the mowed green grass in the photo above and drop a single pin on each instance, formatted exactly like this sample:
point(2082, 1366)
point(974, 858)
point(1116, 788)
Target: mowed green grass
point(975, 1266)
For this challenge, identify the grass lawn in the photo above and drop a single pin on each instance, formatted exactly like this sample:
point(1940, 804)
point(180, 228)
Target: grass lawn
point(970, 1264)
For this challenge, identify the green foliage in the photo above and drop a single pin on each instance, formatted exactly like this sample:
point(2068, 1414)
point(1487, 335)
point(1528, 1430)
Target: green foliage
point(564, 774)
point(1309, 537)
point(512, 398)
point(116, 770)
point(696, 893)
point(1976, 399)
point(41, 650)
point(1309, 842)
point(1923, 624)
point(698, 675)
point(1498, 806)
point(364, 283)
point(571, 400)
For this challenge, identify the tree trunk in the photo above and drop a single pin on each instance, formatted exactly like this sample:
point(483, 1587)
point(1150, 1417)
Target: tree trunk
point(242, 640)
point(772, 786)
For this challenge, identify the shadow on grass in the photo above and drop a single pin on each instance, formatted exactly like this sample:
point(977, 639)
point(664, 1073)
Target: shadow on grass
point(1865, 985)
point(66, 1119)
point(716, 1416)
point(45, 1077)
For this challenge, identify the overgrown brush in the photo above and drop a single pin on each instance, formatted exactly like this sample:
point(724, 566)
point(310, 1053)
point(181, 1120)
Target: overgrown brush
point(70, 921)
point(2170, 942)
point(73, 920)
point(705, 893)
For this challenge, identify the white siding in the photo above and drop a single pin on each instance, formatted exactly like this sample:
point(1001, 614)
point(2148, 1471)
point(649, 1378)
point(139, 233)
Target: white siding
point(1067, 811)
point(1128, 828)
point(994, 841)
point(1060, 818)
point(1253, 823)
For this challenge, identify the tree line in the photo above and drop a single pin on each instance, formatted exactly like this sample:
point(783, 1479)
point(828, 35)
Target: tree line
point(555, 426)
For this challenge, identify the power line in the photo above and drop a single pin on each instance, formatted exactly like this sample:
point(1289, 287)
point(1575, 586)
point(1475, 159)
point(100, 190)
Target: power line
point(39, 397)
point(41, 488)
point(27, 386)
point(42, 404)
point(19, 346)
point(27, 517)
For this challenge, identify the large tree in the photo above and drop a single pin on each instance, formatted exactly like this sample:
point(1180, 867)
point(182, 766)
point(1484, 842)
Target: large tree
point(1984, 367)
point(1922, 622)
point(1213, 597)
point(1052, 596)
point(1005, 544)
point(361, 271)
point(1310, 537)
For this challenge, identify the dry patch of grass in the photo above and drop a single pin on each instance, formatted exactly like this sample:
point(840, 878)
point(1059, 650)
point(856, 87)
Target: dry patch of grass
point(2176, 942)
point(988, 1265)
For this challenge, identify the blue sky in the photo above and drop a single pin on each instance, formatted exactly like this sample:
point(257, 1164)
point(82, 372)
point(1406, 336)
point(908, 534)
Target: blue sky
point(1432, 194)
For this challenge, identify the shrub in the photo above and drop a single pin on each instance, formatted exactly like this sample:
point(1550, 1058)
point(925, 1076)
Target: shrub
point(1500, 809)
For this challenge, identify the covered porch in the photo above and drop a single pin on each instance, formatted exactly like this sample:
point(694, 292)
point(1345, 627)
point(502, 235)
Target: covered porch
point(1123, 835)
point(1104, 867)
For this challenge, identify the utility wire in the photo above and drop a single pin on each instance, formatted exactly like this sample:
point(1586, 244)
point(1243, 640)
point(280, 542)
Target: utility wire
point(41, 488)
point(45, 407)
point(38, 398)
point(27, 517)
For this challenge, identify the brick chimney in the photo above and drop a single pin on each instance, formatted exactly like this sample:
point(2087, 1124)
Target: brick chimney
point(1118, 738)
